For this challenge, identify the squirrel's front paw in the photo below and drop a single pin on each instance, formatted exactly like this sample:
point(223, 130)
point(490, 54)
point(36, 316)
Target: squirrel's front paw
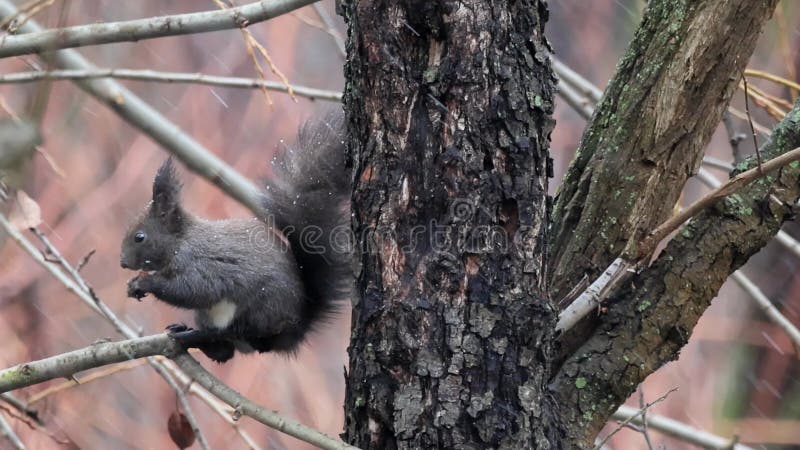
point(136, 288)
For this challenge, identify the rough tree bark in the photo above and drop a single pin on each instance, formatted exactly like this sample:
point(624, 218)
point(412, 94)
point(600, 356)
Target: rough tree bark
point(652, 317)
point(650, 130)
point(450, 106)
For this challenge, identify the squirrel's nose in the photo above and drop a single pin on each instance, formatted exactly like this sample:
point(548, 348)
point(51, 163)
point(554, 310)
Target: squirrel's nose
point(122, 263)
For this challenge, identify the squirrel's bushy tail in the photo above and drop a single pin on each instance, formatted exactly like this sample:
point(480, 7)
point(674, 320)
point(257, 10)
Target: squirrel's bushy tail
point(309, 201)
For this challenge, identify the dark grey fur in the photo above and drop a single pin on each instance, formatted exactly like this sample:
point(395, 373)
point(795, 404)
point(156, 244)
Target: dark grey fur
point(282, 273)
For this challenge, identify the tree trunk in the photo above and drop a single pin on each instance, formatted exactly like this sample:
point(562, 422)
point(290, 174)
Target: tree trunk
point(449, 108)
point(449, 111)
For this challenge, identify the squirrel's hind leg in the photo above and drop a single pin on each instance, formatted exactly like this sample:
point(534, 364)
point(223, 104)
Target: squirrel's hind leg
point(213, 344)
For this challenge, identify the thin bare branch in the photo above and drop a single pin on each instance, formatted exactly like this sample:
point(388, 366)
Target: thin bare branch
point(80, 381)
point(583, 105)
point(170, 77)
point(136, 30)
point(24, 408)
point(768, 308)
point(152, 123)
point(584, 86)
point(717, 163)
point(8, 433)
point(750, 120)
point(248, 408)
point(734, 184)
point(187, 409)
point(772, 77)
point(638, 414)
point(330, 27)
point(678, 430)
point(101, 354)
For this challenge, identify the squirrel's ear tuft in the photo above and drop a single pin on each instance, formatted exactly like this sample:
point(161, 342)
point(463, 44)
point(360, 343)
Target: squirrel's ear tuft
point(166, 196)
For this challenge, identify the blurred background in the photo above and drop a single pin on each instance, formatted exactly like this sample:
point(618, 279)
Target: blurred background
point(739, 375)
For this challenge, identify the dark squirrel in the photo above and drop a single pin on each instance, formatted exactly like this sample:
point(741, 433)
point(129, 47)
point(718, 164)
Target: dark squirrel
point(255, 284)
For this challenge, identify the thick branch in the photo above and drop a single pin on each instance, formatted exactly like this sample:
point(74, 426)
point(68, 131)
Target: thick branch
point(649, 132)
point(104, 353)
point(652, 317)
point(152, 27)
point(96, 355)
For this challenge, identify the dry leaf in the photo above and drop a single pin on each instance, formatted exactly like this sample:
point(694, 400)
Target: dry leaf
point(180, 430)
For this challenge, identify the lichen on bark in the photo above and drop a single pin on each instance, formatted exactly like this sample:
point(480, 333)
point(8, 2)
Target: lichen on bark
point(650, 130)
point(652, 317)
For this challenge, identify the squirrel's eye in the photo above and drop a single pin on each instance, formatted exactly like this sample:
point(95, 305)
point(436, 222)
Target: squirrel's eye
point(139, 236)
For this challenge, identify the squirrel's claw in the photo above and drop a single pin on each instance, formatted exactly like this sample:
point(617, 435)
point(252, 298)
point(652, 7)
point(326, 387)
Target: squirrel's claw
point(177, 327)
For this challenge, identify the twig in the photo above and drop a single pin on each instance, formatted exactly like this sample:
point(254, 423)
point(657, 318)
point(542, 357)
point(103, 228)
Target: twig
point(678, 430)
point(248, 408)
point(84, 260)
point(783, 238)
point(100, 354)
point(750, 121)
point(22, 407)
point(170, 77)
point(580, 103)
point(33, 424)
point(330, 27)
point(769, 309)
point(154, 124)
point(734, 137)
point(734, 184)
point(784, 35)
point(26, 11)
point(8, 433)
point(621, 268)
point(643, 408)
point(772, 77)
point(251, 43)
point(764, 100)
point(717, 163)
point(149, 28)
point(775, 102)
point(187, 409)
point(742, 116)
point(586, 87)
point(628, 420)
point(76, 381)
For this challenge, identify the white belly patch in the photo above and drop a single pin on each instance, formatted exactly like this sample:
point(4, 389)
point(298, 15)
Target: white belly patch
point(221, 315)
